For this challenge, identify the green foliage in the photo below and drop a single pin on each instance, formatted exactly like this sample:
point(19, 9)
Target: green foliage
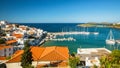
point(3, 65)
point(112, 60)
point(73, 54)
point(95, 66)
point(116, 56)
point(26, 59)
point(2, 41)
point(9, 57)
point(2, 32)
point(73, 61)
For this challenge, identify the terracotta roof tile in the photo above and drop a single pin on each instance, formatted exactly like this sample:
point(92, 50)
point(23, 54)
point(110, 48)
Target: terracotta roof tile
point(44, 53)
point(2, 58)
point(36, 52)
point(4, 46)
point(16, 57)
point(18, 35)
point(11, 41)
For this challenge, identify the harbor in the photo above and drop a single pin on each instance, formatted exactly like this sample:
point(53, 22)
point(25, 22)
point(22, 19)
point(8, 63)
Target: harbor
point(90, 37)
point(75, 32)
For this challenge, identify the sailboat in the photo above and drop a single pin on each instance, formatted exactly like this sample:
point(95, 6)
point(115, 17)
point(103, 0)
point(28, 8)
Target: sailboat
point(96, 33)
point(87, 33)
point(110, 38)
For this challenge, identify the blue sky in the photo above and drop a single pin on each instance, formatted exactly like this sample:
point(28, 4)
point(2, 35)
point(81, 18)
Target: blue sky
point(60, 11)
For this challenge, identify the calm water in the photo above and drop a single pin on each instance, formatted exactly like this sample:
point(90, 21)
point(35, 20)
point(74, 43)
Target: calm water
point(83, 41)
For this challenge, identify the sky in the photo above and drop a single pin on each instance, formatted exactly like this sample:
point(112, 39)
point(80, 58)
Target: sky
point(60, 11)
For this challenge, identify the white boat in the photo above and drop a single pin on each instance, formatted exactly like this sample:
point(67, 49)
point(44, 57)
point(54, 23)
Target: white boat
point(110, 38)
point(86, 32)
point(95, 33)
point(118, 41)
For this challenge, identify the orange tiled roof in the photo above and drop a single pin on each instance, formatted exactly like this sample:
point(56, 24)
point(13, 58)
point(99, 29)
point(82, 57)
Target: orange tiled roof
point(16, 56)
point(11, 41)
point(4, 46)
point(18, 35)
point(36, 52)
point(53, 53)
point(2, 58)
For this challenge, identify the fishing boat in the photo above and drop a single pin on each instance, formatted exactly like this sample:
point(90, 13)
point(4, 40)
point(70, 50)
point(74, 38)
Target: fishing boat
point(110, 38)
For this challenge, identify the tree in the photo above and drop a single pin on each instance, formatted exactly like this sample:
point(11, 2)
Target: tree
point(116, 56)
point(2, 32)
point(3, 65)
point(112, 60)
point(106, 62)
point(2, 41)
point(73, 61)
point(26, 59)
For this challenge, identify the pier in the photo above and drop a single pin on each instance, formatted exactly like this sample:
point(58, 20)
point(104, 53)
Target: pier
point(63, 39)
point(71, 33)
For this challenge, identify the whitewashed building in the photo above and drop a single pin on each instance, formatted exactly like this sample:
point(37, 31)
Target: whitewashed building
point(6, 51)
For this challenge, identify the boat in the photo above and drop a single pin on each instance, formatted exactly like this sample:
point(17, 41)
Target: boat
point(86, 32)
point(118, 41)
point(95, 33)
point(110, 38)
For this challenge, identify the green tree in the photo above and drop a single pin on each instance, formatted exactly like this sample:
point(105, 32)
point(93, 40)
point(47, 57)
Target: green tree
point(2, 32)
point(2, 41)
point(111, 61)
point(26, 59)
point(73, 61)
point(116, 56)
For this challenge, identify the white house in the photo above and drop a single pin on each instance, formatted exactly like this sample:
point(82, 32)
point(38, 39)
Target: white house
point(2, 24)
point(6, 51)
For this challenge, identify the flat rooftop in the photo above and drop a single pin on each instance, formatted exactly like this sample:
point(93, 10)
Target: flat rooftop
point(92, 52)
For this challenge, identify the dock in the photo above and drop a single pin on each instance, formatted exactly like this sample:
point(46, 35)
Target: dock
point(71, 33)
point(63, 39)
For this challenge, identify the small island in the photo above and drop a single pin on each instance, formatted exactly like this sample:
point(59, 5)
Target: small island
point(102, 24)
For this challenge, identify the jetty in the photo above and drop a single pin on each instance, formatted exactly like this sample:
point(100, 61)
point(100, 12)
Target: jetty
point(74, 32)
point(63, 39)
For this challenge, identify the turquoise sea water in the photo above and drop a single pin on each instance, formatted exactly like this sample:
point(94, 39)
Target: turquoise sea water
point(82, 41)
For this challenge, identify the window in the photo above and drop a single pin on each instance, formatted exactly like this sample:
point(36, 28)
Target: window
point(9, 49)
point(4, 50)
point(9, 54)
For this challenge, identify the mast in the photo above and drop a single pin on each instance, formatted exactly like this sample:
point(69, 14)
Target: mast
point(110, 36)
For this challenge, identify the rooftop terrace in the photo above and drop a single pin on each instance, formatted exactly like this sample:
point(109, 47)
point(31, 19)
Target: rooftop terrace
point(92, 52)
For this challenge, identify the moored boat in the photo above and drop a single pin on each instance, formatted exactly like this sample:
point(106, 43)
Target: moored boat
point(110, 38)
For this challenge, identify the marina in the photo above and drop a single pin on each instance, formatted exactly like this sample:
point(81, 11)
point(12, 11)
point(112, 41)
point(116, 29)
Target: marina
point(91, 38)
point(75, 33)
point(60, 34)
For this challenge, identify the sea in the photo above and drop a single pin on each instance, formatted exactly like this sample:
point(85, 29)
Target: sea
point(82, 41)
